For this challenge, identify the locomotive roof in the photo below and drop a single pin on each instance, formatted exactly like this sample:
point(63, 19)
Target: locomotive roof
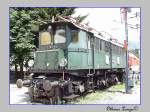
point(86, 28)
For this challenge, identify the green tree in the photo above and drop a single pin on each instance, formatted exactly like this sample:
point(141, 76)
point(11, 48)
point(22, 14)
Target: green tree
point(21, 38)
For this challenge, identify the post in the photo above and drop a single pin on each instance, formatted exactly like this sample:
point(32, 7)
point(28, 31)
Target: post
point(127, 66)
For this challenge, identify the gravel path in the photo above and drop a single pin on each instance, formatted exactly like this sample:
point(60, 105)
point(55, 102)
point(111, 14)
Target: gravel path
point(19, 95)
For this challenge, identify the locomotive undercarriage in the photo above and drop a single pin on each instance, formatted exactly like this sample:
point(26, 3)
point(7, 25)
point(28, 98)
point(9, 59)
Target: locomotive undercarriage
point(58, 88)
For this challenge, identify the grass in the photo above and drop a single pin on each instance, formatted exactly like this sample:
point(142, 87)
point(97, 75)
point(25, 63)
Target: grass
point(100, 94)
point(119, 87)
point(138, 82)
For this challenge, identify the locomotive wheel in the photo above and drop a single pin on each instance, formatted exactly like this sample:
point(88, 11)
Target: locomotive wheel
point(19, 83)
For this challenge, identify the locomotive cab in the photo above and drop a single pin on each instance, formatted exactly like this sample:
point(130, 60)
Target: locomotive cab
point(59, 44)
point(51, 53)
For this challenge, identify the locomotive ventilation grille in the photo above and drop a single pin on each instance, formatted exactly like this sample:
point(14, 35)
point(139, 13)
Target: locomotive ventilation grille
point(46, 60)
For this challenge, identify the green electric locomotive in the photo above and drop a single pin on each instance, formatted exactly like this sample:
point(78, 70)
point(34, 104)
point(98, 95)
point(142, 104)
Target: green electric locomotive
point(71, 60)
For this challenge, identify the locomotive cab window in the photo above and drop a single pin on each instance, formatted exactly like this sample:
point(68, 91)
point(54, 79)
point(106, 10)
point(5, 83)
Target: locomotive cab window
point(96, 44)
point(114, 48)
point(74, 36)
point(120, 50)
point(106, 46)
point(117, 50)
point(89, 42)
point(102, 45)
point(60, 35)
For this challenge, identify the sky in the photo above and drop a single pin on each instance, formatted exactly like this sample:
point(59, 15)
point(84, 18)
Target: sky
point(109, 20)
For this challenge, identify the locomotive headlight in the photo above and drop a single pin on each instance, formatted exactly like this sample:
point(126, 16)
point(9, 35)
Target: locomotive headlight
point(31, 63)
point(63, 62)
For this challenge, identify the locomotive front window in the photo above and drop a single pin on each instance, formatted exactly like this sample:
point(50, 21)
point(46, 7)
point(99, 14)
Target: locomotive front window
point(60, 35)
point(45, 38)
